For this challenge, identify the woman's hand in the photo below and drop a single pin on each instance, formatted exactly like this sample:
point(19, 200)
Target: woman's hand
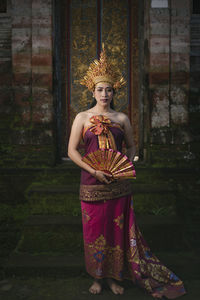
point(103, 177)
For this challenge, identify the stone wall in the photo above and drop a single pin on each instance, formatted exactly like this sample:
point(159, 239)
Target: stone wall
point(26, 84)
point(5, 71)
point(169, 77)
point(194, 96)
point(30, 103)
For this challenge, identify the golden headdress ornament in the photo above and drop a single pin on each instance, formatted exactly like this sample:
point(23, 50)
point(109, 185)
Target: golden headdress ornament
point(102, 71)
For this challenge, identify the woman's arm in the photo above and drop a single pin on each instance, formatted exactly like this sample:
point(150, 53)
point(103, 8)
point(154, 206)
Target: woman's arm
point(73, 153)
point(74, 140)
point(128, 134)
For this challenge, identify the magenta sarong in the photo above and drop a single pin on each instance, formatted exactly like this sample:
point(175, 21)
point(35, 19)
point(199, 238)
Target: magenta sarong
point(114, 246)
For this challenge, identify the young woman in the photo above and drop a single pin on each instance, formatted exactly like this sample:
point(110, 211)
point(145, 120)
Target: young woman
point(114, 247)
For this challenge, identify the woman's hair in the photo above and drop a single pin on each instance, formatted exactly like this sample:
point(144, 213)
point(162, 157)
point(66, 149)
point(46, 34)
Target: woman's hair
point(94, 102)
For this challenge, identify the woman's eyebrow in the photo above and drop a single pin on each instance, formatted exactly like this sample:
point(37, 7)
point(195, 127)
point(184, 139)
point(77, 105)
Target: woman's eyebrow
point(101, 87)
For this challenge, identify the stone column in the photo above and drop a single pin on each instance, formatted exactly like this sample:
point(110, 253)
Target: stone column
point(42, 62)
point(21, 62)
point(180, 70)
point(32, 76)
point(169, 56)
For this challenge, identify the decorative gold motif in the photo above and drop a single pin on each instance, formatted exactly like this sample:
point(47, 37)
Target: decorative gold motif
point(120, 221)
point(111, 162)
point(101, 128)
point(114, 34)
point(100, 254)
point(102, 71)
point(85, 216)
point(132, 253)
point(103, 192)
point(82, 47)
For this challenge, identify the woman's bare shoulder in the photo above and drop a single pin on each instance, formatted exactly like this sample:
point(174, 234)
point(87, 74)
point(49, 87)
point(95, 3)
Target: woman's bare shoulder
point(82, 115)
point(121, 117)
point(82, 118)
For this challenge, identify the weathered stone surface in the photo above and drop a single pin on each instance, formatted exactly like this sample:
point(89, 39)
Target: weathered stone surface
point(159, 15)
point(180, 44)
point(180, 62)
point(32, 69)
point(160, 62)
point(21, 7)
point(4, 99)
point(21, 40)
point(43, 22)
point(42, 43)
point(160, 29)
point(41, 80)
point(183, 4)
point(42, 60)
point(180, 29)
point(5, 79)
point(159, 44)
point(178, 95)
point(23, 21)
point(160, 110)
point(158, 78)
point(22, 94)
point(42, 8)
point(161, 136)
point(180, 78)
point(179, 114)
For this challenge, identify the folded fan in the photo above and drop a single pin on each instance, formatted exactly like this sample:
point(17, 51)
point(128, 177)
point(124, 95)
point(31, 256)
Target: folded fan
point(112, 162)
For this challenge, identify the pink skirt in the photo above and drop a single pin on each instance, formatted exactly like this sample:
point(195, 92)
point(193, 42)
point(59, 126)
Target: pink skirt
point(115, 248)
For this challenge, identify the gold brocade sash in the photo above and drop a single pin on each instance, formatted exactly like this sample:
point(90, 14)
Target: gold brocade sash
point(104, 192)
point(100, 127)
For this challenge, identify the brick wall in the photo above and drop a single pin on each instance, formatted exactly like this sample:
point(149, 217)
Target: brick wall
point(30, 67)
point(169, 73)
point(194, 96)
point(5, 72)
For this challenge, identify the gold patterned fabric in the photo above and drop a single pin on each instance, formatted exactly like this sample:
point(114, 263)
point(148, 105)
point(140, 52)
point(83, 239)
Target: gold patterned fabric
point(113, 258)
point(100, 127)
point(114, 246)
point(93, 193)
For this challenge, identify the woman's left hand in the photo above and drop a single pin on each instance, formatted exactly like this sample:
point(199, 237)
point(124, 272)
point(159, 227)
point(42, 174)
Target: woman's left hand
point(103, 177)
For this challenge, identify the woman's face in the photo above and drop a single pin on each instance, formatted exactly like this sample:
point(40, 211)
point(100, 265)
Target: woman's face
point(103, 93)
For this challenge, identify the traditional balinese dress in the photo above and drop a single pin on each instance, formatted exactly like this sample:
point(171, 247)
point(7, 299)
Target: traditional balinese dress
point(114, 246)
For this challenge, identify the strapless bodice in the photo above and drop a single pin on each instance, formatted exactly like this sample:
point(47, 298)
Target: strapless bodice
point(91, 143)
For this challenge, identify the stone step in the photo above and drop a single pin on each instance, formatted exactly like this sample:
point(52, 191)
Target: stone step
point(51, 234)
point(148, 198)
point(65, 189)
point(185, 264)
point(53, 201)
point(44, 265)
point(61, 234)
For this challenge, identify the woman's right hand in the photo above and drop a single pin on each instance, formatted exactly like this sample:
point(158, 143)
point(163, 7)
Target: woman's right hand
point(103, 177)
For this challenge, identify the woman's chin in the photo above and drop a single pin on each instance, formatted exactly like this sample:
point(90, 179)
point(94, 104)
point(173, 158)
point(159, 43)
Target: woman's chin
point(105, 103)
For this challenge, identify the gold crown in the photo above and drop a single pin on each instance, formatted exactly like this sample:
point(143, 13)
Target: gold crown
point(102, 71)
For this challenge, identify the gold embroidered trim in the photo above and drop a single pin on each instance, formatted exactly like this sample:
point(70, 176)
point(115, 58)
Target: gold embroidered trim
point(105, 192)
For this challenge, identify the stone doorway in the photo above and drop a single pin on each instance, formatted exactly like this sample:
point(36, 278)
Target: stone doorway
point(80, 27)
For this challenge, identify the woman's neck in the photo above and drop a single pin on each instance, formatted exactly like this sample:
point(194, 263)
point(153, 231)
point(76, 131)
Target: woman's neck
point(101, 110)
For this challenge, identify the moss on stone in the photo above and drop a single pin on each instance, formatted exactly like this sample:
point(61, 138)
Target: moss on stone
point(155, 204)
point(17, 213)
